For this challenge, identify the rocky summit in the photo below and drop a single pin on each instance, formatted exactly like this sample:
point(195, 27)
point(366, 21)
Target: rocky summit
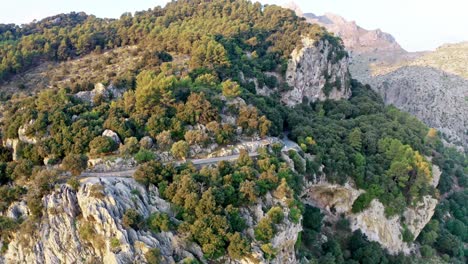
point(356, 38)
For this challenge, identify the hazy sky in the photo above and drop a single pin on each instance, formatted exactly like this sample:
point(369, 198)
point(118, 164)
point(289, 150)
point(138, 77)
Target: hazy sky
point(416, 24)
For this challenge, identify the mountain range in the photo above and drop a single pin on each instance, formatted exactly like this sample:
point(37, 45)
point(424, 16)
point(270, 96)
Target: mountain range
point(431, 85)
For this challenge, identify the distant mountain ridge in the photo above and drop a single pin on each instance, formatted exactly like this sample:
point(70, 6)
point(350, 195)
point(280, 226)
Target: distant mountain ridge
point(356, 38)
point(432, 86)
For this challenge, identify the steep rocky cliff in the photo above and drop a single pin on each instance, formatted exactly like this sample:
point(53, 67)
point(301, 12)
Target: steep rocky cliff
point(437, 98)
point(317, 71)
point(336, 199)
point(88, 224)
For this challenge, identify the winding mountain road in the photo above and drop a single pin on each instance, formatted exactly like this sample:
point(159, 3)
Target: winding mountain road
point(129, 173)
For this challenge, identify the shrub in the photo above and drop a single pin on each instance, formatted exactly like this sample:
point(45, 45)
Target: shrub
point(158, 222)
point(102, 145)
point(264, 230)
point(132, 219)
point(239, 247)
point(180, 149)
point(427, 251)
point(312, 218)
point(269, 251)
point(114, 243)
point(86, 231)
point(130, 147)
point(362, 202)
point(153, 256)
point(295, 215)
point(276, 214)
point(97, 191)
point(230, 89)
point(75, 163)
point(408, 237)
point(74, 183)
point(144, 156)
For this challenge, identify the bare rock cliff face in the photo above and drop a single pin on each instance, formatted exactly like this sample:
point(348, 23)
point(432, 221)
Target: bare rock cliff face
point(317, 71)
point(435, 97)
point(86, 226)
point(69, 215)
point(336, 199)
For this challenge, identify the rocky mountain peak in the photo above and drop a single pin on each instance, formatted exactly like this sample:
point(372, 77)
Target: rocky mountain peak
point(356, 38)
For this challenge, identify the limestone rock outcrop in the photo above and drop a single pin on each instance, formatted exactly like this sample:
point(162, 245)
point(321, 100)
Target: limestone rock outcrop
point(110, 92)
point(88, 224)
point(317, 71)
point(22, 133)
point(12, 144)
point(97, 207)
point(433, 86)
point(332, 197)
point(336, 199)
point(111, 134)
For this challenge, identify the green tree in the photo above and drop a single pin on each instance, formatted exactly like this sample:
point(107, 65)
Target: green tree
point(130, 146)
point(102, 145)
point(230, 89)
point(180, 149)
point(239, 246)
point(355, 139)
point(75, 163)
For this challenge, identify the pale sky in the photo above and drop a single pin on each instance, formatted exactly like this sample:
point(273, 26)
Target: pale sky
point(416, 24)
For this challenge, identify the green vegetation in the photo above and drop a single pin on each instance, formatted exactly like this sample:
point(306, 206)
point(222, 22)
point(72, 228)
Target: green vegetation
point(210, 215)
point(178, 95)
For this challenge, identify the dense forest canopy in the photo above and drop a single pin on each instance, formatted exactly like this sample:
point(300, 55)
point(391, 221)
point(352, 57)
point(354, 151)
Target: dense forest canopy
point(382, 150)
point(182, 27)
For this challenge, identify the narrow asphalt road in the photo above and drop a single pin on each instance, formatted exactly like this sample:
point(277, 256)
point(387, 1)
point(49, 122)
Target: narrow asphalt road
point(129, 173)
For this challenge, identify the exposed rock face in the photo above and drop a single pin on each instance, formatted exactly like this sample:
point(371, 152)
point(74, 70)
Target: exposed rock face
point(67, 213)
point(418, 216)
point(285, 240)
point(113, 164)
point(336, 199)
point(317, 71)
point(435, 97)
point(356, 38)
point(13, 145)
point(378, 227)
point(433, 86)
point(110, 92)
point(328, 196)
point(286, 232)
point(249, 146)
point(388, 231)
point(99, 206)
point(22, 134)
point(112, 135)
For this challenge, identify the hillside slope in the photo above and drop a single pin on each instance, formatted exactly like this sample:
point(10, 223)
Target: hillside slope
point(319, 156)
